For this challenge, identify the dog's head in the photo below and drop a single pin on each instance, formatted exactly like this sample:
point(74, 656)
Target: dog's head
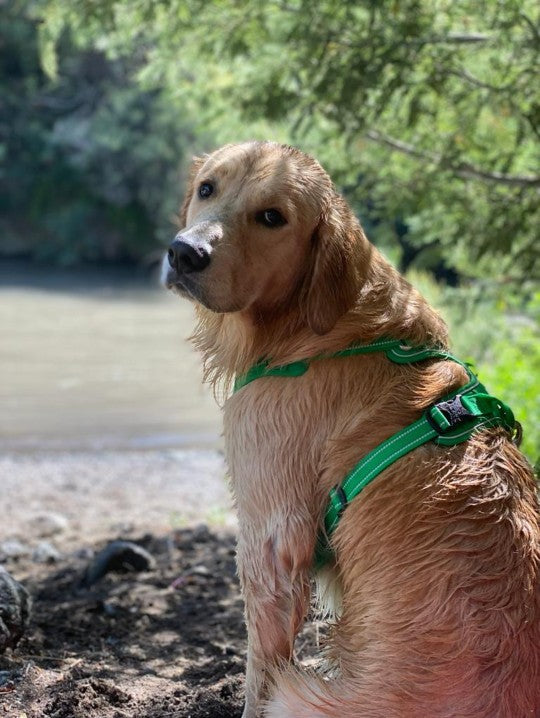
point(263, 231)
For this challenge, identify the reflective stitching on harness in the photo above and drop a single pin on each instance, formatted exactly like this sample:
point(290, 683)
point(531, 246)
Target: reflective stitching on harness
point(402, 434)
point(422, 439)
point(377, 451)
point(419, 441)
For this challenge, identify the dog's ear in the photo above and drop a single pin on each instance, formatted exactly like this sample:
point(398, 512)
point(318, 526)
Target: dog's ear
point(196, 164)
point(336, 272)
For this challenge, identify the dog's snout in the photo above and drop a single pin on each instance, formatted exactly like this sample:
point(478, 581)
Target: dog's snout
point(184, 257)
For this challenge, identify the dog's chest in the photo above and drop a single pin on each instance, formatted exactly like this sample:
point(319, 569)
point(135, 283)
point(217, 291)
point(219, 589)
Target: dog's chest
point(274, 433)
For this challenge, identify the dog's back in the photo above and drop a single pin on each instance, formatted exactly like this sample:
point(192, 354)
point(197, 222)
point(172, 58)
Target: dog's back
point(442, 605)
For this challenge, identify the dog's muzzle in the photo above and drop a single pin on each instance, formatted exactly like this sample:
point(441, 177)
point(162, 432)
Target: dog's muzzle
point(190, 250)
point(189, 254)
point(186, 258)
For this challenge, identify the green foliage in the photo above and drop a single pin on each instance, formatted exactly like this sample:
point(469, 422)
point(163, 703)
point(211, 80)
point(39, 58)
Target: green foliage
point(428, 111)
point(513, 372)
point(90, 160)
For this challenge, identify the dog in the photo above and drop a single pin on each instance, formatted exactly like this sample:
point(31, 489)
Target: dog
point(434, 585)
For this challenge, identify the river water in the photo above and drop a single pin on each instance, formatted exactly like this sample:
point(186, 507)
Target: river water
point(98, 359)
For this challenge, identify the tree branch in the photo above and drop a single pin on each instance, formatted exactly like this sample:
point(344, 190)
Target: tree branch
point(450, 39)
point(465, 170)
point(459, 38)
point(533, 27)
point(471, 79)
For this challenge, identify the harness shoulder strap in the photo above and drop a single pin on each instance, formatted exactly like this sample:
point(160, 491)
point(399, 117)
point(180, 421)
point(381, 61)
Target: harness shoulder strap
point(395, 350)
point(451, 420)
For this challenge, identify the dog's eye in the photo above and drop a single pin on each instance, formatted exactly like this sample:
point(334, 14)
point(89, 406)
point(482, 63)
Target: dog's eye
point(270, 218)
point(205, 190)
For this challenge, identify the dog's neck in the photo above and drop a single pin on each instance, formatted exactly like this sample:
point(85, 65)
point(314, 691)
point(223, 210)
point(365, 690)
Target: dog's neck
point(387, 305)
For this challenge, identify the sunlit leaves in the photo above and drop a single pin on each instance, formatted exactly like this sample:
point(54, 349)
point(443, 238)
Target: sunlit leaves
point(451, 81)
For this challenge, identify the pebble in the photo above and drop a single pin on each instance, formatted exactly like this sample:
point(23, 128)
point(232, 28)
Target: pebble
point(7, 677)
point(45, 552)
point(13, 549)
point(49, 524)
point(201, 533)
point(200, 570)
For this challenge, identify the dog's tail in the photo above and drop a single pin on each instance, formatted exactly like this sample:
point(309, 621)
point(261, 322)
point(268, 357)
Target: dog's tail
point(302, 695)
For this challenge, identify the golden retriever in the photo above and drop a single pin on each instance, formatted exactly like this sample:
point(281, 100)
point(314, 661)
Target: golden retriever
point(435, 583)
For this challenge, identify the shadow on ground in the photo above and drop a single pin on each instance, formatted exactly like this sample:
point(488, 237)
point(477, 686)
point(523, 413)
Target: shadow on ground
point(167, 643)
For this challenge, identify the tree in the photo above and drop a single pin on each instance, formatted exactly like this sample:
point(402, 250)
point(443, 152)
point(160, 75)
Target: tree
point(91, 161)
point(426, 112)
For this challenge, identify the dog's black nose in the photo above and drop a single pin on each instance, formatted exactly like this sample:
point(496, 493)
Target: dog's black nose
point(185, 258)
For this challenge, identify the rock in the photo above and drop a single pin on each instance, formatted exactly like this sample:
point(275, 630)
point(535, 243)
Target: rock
point(45, 552)
point(15, 606)
point(49, 524)
point(13, 549)
point(85, 554)
point(201, 533)
point(118, 556)
point(200, 570)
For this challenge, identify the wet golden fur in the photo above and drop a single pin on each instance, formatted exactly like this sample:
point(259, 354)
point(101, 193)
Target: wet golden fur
point(438, 559)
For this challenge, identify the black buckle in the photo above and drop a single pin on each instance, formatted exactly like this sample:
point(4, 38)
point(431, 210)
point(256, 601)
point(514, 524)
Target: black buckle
point(453, 414)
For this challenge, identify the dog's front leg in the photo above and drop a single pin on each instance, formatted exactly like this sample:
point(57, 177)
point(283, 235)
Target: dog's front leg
point(273, 564)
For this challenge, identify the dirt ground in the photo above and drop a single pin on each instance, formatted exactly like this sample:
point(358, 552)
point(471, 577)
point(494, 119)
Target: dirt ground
point(167, 642)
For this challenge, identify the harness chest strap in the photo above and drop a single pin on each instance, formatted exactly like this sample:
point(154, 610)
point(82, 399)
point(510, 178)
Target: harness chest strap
point(395, 350)
point(450, 421)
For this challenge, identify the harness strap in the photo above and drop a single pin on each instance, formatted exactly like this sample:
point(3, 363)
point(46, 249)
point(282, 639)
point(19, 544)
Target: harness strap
point(449, 421)
point(395, 350)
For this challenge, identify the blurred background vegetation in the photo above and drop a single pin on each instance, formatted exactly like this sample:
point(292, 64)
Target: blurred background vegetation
point(425, 112)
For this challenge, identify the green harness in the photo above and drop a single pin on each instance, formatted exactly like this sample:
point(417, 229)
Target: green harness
point(449, 421)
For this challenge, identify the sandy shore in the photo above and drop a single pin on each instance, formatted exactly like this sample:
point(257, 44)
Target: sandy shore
point(95, 495)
